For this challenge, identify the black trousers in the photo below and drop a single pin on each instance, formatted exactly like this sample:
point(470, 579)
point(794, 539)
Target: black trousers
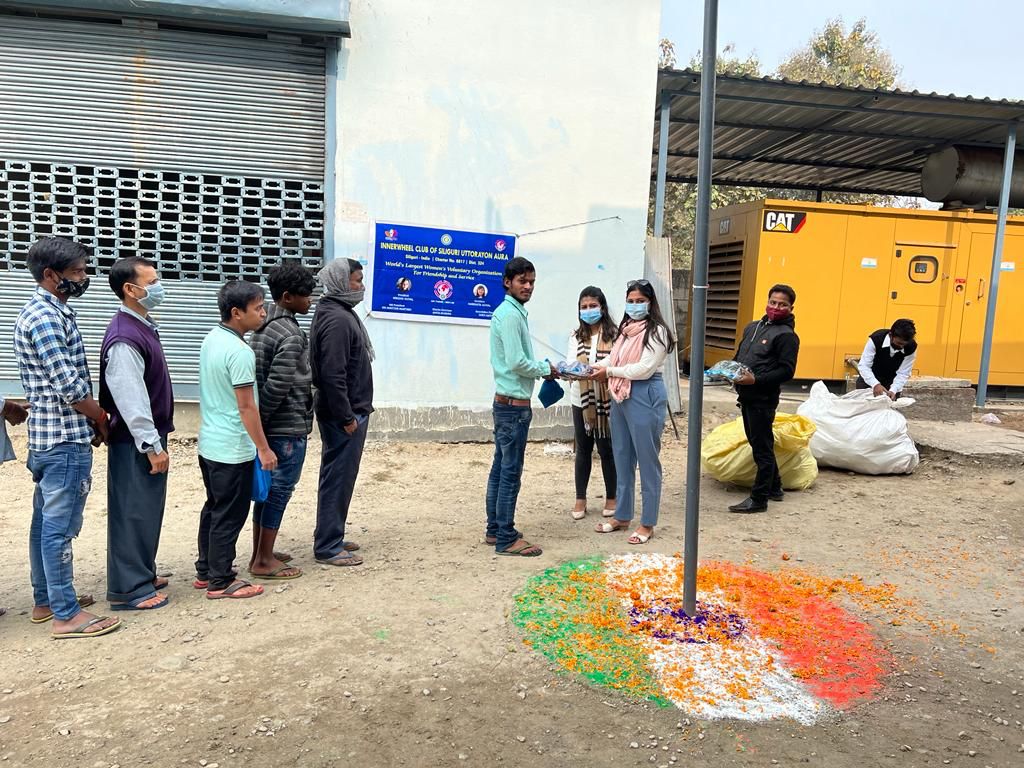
point(585, 457)
point(757, 424)
point(340, 456)
point(135, 513)
point(228, 496)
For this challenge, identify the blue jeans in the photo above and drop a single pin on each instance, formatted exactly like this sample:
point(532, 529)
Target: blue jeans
point(63, 477)
point(511, 426)
point(637, 423)
point(291, 455)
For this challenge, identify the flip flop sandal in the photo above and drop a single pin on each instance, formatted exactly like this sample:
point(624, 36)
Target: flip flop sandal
point(160, 583)
point(492, 540)
point(530, 550)
point(284, 557)
point(231, 592)
point(136, 604)
point(639, 538)
point(342, 559)
point(204, 583)
point(84, 601)
point(610, 528)
point(80, 630)
point(275, 575)
point(350, 546)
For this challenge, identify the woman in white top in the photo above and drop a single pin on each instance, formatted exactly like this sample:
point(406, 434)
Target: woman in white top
point(590, 343)
point(639, 406)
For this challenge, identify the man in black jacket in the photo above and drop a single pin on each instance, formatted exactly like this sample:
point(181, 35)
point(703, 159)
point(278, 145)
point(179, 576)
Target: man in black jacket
point(286, 408)
point(769, 349)
point(340, 357)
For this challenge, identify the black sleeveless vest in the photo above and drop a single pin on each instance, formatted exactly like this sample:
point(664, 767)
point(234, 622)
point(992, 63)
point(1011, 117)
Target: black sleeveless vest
point(886, 365)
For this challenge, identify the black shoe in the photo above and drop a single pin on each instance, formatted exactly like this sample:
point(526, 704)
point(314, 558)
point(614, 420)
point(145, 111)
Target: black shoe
point(780, 496)
point(749, 505)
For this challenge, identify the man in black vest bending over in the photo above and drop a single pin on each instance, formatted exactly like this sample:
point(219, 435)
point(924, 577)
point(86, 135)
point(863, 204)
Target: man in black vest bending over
point(888, 359)
point(769, 349)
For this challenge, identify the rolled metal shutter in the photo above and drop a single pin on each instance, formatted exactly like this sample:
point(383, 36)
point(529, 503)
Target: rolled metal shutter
point(202, 151)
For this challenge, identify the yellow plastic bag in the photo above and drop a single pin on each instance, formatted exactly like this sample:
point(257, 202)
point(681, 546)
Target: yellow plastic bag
point(725, 453)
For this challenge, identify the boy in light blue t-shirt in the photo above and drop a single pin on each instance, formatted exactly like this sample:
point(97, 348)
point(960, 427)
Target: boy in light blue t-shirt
point(230, 438)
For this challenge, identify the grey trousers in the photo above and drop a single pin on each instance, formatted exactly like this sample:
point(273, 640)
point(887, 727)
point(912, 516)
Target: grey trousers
point(135, 513)
point(637, 423)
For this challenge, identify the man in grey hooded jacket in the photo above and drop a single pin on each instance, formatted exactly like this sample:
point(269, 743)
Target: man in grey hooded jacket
point(340, 355)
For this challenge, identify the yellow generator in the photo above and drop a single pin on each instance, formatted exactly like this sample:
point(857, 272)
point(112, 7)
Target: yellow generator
point(856, 269)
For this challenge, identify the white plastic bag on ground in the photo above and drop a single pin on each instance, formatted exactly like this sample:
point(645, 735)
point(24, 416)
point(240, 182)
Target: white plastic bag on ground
point(860, 432)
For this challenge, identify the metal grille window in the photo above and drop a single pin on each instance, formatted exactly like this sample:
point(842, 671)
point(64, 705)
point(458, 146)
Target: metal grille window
point(725, 270)
point(203, 151)
point(196, 226)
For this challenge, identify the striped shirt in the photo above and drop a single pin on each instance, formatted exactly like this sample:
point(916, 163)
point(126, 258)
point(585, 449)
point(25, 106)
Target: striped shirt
point(283, 377)
point(54, 372)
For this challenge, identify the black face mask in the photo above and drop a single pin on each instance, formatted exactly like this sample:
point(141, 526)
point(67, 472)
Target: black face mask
point(71, 288)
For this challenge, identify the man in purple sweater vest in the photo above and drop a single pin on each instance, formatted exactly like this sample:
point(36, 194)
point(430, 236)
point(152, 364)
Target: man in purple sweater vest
point(135, 389)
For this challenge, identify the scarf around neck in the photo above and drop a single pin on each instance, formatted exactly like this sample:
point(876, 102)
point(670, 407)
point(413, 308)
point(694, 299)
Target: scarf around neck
point(627, 349)
point(334, 278)
point(594, 394)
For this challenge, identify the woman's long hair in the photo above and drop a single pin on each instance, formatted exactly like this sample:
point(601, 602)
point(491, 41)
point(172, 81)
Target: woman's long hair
point(654, 316)
point(608, 329)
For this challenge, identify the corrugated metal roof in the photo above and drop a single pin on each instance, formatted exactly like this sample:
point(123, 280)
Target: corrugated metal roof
point(801, 135)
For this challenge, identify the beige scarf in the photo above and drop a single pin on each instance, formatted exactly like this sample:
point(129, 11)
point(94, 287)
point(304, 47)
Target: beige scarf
point(594, 394)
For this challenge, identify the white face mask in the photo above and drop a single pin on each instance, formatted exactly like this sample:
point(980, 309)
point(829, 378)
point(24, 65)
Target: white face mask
point(637, 311)
point(154, 297)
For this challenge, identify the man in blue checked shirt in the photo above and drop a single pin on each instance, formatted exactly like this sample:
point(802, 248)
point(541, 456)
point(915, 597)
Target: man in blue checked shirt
point(515, 372)
point(63, 421)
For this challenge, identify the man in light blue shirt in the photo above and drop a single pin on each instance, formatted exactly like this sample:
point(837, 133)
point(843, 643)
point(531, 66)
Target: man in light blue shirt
point(230, 438)
point(515, 371)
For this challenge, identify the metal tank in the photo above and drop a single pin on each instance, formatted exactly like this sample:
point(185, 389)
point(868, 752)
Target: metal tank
point(970, 177)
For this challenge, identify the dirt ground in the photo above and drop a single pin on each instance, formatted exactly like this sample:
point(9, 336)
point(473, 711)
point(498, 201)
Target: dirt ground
point(411, 659)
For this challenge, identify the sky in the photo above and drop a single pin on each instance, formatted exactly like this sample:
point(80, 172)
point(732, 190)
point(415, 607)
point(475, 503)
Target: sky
point(946, 46)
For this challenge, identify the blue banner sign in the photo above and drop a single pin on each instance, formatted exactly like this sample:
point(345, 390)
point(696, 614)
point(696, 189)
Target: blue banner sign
point(438, 275)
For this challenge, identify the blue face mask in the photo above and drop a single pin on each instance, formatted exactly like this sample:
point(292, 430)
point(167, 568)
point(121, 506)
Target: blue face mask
point(154, 296)
point(637, 311)
point(590, 316)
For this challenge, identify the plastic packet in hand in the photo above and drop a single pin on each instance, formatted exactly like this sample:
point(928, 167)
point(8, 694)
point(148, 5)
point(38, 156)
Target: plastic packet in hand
point(729, 370)
point(575, 368)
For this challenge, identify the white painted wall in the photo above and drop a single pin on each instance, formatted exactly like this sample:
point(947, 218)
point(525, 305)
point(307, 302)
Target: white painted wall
point(498, 115)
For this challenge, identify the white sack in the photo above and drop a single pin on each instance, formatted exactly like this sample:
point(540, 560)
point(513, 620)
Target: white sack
point(860, 432)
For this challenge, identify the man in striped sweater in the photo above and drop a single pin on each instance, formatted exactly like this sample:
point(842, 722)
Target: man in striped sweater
point(283, 381)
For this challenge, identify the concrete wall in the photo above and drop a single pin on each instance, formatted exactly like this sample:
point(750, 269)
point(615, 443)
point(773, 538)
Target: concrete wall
point(681, 302)
point(509, 116)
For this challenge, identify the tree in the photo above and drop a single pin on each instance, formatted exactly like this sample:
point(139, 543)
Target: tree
point(667, 56)
point(832, 55)
point(837, 57)
point(681, 199)
point(855, 58)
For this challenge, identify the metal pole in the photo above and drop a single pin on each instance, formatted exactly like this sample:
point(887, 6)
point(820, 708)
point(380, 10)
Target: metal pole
point(330, 250)
point(698, 307)
point(659, 190)
point(997, 255)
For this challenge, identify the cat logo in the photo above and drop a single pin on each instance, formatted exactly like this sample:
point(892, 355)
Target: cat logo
point(784, 221)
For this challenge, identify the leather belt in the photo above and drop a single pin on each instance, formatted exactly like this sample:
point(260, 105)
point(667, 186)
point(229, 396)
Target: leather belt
point(506, 400)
